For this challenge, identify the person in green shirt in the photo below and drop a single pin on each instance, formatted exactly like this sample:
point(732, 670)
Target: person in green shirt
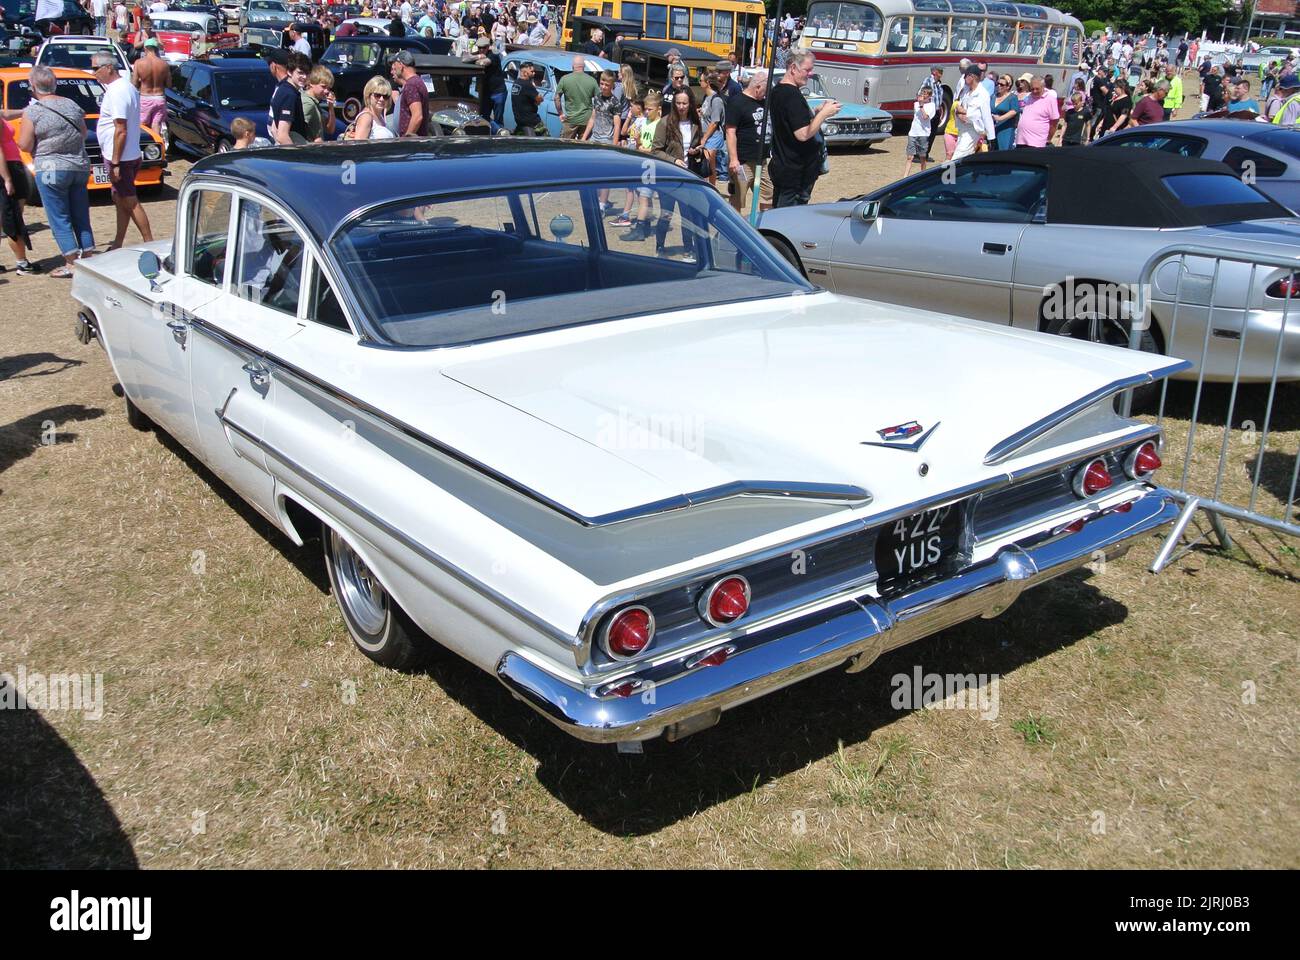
point(318, 104)
point(573, 96)
point(1175, 98)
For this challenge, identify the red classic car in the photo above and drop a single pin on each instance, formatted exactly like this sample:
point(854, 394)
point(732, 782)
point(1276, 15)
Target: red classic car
point(185, 35)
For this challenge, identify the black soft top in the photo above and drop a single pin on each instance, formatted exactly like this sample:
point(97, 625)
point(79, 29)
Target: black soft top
point(1121, 187)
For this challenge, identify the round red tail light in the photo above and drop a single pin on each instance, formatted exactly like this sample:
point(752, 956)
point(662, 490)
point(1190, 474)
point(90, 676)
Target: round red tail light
point(1092, 478)
point(1143, 461)
point(628, 632)
point(725, 601)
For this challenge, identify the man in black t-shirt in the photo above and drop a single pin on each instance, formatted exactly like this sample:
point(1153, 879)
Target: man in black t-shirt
point(492, 104)
point(525, 101)
point(744, 124)
point(796, 147)
point(285, 121)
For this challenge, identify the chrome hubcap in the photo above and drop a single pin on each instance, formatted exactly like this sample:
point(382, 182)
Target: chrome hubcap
point(360, 594)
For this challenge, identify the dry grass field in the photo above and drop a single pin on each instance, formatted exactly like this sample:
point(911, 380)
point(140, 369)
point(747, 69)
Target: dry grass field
point(1141, 720)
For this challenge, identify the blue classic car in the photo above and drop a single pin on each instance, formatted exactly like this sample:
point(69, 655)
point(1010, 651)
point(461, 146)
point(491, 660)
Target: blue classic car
point(207, 95)
point(552, 66)
point(854, 123)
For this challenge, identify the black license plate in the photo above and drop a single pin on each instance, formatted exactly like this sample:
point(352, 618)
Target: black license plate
point(914, 548)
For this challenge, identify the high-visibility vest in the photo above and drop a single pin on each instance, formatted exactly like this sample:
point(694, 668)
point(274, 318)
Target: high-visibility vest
point(1277, 117)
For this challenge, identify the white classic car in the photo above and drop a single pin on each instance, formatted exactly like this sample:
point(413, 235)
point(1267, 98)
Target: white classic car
point(640, 483)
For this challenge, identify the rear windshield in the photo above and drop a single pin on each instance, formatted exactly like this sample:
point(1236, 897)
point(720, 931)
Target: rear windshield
point(455, 270)
point(1284, 141)
point(1212, 190)
point(85, 93)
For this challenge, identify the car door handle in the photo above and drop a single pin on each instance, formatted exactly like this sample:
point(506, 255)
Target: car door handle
point(113, 302)
point(180, 330)
point(997, 248)
point(258, 374)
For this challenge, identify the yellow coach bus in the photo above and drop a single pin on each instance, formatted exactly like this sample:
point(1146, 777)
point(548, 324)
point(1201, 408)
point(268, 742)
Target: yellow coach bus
point(719, 26)
point(878, 52)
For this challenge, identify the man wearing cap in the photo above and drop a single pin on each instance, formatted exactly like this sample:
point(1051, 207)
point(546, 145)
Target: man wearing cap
point(728, 87)
point(1287, 108)
point(494, 81)
point(411, 96)
point(285, 119)
point(152, 75)
point(974, 115)
point(573, 96)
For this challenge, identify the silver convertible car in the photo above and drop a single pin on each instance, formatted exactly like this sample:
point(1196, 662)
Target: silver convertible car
point(639, 484)
point(1058, 240)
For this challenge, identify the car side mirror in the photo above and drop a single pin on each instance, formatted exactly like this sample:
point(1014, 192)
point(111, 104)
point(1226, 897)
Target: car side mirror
point(867, 211)
point(150, 268)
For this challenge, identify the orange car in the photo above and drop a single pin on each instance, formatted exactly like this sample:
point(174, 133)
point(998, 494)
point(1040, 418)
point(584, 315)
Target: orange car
point(84, 90)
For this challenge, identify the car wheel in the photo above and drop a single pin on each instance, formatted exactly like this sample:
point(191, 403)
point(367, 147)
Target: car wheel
point(351, 108)
point(224, 146)
point(136, 417)
point(377, 625)
point(781, 246)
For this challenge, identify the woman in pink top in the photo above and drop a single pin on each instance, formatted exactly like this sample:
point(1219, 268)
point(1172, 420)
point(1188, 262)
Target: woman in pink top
point(16, 185)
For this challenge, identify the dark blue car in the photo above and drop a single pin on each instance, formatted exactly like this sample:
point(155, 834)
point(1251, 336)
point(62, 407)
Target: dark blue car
point(207, 95)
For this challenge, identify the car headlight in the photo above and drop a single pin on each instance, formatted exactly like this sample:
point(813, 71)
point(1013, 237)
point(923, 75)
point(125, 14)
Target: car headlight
point(152, 151)
point(830, 129)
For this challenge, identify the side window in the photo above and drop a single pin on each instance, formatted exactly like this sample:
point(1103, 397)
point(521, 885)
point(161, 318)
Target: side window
point(899, 28)
point(323, 307)
point(998, 192)
point(201, 85)
point(1245, 161)
point(269, 260)
point(1182, 146)
point(209, 219)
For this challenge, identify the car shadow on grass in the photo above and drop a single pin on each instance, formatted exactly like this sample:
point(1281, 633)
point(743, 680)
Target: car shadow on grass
point(53, 815)
point(1249, 410)
point(754, 744)
point(777, 734)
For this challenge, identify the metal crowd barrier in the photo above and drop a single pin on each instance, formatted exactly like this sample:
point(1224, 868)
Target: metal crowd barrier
point(1213, 503)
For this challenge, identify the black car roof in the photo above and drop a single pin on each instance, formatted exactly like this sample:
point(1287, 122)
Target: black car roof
point(1121, 187)
point(660, 48)
point(307, 179)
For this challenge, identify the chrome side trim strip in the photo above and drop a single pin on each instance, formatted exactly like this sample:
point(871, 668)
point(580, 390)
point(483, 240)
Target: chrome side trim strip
point(1005, 448)
point(527, 616)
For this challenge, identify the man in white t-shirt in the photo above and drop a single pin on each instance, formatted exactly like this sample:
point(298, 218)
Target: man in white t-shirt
point(118, 132)
point(121, 20)
point(99, 10)
point(158, 6)
point(974, 116)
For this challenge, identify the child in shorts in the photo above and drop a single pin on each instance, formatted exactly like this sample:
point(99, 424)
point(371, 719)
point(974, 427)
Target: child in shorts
point(918, 136)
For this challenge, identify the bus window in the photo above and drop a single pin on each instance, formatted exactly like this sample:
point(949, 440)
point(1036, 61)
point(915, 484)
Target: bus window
point(967, 35)
point(1074, 44)
point(607, 10)
point(860, 22)
point(843, 21)
point(701, 26)
point(929, 34)
point(680, 24)
point(656, 21)
point(899, 28)
point(1001, 37)
point(722, 24)
point(634, 12)
point(1031, 39)
point(1053, 52)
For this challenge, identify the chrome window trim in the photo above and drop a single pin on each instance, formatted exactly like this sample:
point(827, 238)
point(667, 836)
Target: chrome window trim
point(351, 311)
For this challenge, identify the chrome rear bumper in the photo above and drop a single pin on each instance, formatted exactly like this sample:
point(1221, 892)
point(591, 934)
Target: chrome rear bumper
point(855, 631)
